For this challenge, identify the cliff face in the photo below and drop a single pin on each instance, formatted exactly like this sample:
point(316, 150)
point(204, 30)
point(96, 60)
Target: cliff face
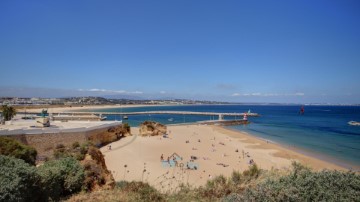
point(97, 176)
point(151, 128)
point(112, 134)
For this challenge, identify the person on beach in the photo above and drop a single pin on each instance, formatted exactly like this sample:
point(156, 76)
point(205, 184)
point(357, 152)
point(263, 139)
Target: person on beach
point(109, 147)
point(162, 157)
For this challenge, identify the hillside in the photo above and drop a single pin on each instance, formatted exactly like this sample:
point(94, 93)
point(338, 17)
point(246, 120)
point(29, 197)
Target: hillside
point(298, 184)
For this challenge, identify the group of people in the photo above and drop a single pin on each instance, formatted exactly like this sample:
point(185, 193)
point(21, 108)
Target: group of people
point(168, 160)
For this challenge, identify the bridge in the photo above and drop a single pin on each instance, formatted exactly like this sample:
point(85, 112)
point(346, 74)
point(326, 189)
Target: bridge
point(220, 115)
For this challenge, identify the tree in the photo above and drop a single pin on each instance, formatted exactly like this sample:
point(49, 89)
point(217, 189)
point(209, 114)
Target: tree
point(8, 112)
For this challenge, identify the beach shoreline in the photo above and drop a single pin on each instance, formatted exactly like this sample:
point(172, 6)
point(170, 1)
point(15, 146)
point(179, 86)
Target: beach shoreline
point(347, 165)
point(218, 151)
point(342, 165)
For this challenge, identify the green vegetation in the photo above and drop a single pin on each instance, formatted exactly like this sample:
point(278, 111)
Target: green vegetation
point(302, 184)
point(67, 173)
point(76, 151)
point(141, 191)
point(11, 147)
point(299, 184)
point(95, 172)
point(19, 181)
point(61, 177)
point(126, 128)
point(65, 176)
point(8, 112)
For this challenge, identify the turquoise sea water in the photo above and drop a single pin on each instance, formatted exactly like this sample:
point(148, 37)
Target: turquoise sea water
point(322, 130)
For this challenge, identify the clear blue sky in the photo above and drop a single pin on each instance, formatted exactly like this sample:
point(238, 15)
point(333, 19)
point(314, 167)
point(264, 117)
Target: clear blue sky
point(242, 51)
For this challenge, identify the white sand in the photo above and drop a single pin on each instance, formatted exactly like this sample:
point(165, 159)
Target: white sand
point(143, 153)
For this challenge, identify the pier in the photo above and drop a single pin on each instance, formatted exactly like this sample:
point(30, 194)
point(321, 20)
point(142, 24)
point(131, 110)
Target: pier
point(220, 115)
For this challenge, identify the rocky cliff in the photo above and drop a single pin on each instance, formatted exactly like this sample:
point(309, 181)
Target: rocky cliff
point(112, 134)
point(97, 176)
point(152, 128)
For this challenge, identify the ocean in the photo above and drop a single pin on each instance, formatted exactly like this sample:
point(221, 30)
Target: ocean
point(322, 131)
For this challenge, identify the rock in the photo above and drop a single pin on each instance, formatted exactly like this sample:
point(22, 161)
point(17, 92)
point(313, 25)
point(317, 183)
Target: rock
point(97, 176)
point(152, 128)
point(111, 135)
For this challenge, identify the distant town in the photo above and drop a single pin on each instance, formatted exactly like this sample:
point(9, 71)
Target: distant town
point(90, 100)
point(79, 101)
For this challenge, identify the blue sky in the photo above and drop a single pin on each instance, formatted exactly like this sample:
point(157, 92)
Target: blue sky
point(241, 51)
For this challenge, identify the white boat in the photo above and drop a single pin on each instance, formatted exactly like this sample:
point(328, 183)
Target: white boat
point(170, 119)
point(354, 123)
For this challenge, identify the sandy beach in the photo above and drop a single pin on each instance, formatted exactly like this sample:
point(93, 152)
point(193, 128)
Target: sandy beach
point(213, 150)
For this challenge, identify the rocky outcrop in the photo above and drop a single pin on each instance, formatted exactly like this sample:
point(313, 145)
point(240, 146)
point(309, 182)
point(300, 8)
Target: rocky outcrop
point(97, 176)
point(152, 128)
point(112, 134)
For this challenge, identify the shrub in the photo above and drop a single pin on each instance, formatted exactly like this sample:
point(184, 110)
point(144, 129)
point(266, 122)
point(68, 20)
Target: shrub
point(144, 192)
point(79, 156)
point(19, 181)
point(93, 175)
point(216, 188)
point(83, 149)
point(126, 128)
point(121, 184)
point(252, 173)
point(302, 184)
point(236, 178)
point(75, 145)
point(61, 177)
point(232, 197)
point(11, 147)
point(60, 147)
